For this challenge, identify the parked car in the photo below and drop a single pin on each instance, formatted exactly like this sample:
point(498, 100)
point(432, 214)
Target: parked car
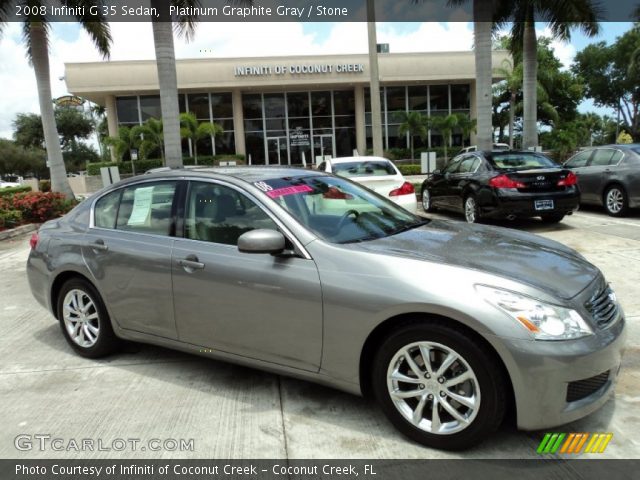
point(609, 176)
point(503, 185)
point(376, 173)
point(448, 325)
point(496, 147)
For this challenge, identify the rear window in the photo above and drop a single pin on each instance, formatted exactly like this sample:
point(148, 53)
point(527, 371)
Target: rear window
point(521, 161)
point(364, 169)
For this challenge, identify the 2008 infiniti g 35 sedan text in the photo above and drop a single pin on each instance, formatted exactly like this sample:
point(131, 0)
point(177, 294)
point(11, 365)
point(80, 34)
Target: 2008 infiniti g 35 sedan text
point(310, 275)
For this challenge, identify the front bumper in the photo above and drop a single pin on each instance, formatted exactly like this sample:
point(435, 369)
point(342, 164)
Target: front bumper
point(556, 382)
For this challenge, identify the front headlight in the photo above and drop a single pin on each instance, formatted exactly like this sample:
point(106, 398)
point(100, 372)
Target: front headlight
point(543, 320)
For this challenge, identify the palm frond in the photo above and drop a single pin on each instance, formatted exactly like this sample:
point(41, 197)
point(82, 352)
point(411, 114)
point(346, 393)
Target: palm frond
point(95, 25)
point(186, 24)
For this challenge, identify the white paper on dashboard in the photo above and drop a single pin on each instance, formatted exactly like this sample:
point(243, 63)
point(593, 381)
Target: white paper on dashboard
point(141, 206)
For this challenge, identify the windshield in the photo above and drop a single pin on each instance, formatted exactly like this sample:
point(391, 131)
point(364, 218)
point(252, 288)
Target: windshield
point(338, 210)
point(364, 169)
point(522, 161)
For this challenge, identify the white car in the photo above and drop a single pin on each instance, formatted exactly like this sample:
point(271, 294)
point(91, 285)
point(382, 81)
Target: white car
point(376, 173)
point(4, 184)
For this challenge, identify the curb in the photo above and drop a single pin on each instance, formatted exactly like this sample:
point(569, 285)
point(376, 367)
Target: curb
point(21, 230)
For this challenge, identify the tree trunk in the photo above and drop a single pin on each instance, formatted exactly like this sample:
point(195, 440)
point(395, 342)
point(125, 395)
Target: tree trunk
point(413, 157)
point(40, 61)
point(374, 88)
point(167, 79)
point(484, 95)
point(529, 87)
point(512, 106)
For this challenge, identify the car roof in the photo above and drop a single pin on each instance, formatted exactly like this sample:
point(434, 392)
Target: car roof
point(366, 158)
point(248, 174)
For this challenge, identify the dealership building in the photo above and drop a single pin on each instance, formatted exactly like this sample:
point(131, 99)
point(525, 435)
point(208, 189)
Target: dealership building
point(281, 110)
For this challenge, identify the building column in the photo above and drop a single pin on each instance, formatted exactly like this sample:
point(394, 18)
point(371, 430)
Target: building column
point(473, 112)
point(238, 122)
point(112, 121)
point(361, 133)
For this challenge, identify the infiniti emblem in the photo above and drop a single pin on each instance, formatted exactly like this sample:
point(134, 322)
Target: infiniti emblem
point(540, 177)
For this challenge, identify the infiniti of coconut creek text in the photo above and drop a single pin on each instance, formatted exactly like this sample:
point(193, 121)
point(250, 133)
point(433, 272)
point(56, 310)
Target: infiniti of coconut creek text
point(144, 12)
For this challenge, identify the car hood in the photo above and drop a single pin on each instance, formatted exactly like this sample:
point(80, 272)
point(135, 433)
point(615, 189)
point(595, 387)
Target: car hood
point(526, 258)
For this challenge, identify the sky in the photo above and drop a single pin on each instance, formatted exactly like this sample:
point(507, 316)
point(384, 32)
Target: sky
point(134, 41)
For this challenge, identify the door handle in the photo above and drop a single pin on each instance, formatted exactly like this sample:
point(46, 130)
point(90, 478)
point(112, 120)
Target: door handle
point(191, 263)
point(98, 245)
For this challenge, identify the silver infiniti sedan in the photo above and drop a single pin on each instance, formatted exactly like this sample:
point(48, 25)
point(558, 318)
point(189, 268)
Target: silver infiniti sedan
point(302, 273)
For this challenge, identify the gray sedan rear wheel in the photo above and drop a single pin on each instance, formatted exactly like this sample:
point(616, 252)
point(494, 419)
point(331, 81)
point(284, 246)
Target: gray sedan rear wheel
point(84, 319)
point(615, 201)
point(438, 386)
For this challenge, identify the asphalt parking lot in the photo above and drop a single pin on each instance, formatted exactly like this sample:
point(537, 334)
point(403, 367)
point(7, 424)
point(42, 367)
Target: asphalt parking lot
point(149, 393)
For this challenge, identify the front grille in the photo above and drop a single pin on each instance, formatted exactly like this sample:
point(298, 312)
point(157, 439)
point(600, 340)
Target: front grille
point(603, 307)
point(583, 388)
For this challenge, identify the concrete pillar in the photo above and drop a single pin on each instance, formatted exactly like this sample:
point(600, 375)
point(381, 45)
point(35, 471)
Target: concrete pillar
point(238, 123)
point(112, 121)
point(473, 112)
point(361, 134)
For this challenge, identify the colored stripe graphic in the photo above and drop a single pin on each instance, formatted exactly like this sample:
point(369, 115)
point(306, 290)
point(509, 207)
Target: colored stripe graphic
point(573, 443)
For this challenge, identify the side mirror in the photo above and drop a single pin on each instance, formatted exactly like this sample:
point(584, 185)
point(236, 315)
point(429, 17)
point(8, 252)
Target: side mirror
point(437, 172)
point(261, 241)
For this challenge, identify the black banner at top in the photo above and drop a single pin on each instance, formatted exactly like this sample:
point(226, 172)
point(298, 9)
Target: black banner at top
point(307, 11)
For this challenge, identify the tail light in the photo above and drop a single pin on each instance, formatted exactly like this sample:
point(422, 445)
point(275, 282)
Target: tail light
point(568, 181)
point(33, 241)
point(503, 181)
point(405, 189)
point(334, 193)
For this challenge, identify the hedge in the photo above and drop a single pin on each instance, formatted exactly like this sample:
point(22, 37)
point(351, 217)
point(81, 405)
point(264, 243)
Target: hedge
point(147, 164)
point(8, 191)
point(410, 169)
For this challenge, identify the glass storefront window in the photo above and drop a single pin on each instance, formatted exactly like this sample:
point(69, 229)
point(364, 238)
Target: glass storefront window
point(320, 103)
point(198, 104)
point(150, 107)
point(418, 98)
point(221, 105)
point(298, 104)
point(252, 106)
point(439, 97)
point(460, 97)
point(274, 105)
point(344, 103)
point(127, 110)
point(396, 99)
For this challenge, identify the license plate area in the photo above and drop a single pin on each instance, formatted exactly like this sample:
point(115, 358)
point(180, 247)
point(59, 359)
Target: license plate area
point(543, 204)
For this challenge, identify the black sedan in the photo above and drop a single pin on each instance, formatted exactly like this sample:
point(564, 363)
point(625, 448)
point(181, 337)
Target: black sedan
point(502, 184)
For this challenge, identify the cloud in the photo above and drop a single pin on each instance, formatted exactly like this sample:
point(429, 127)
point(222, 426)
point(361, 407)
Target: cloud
point(134, 41)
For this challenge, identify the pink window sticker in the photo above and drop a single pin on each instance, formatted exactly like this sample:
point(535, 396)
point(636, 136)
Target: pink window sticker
point(279, 192)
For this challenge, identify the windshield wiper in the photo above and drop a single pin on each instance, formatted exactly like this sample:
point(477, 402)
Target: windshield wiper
point(410, 226)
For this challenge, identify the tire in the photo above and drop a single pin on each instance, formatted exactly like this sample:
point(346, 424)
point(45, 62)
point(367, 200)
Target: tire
point(615, 201)
point(483, 389)
point(552, 218)
point(471, 211)
point(84, 320)
point(427, 204)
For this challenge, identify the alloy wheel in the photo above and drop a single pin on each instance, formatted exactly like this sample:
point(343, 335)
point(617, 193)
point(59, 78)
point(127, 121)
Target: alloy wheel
point(81, 318)
point(615, 200)
point(433, 387)
point(426, 200)
point(470, 210)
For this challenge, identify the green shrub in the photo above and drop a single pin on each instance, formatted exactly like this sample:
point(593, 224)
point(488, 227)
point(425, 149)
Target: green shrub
point(44, 185)
point(410, 169)
point(9, 191)
point(142, 166)
point(10, 218)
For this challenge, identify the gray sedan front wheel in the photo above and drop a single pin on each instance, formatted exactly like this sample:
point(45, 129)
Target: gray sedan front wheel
point(84, 320)
point(438, 386)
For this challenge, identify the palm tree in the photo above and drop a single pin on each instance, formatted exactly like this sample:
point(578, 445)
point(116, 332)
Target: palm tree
point(123, 143)
point(466, 125)
point(484, 16)
point(36, 30)
point(446, 125)
point(512, 78)
point(415, 124)
point(194, 131)
point(524, 14)
point(150, 137)
point(167, 77)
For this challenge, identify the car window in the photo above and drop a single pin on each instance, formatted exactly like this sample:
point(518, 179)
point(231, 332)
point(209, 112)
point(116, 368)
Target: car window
point(146, 208)
point(219, 214)
point(580, 159)
point(468, 165)
point(106, 210)
point(367, 168)
point(601, 157)
point(338, 210)
point(453, 165)
point(617, 156)
point(521, 161)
